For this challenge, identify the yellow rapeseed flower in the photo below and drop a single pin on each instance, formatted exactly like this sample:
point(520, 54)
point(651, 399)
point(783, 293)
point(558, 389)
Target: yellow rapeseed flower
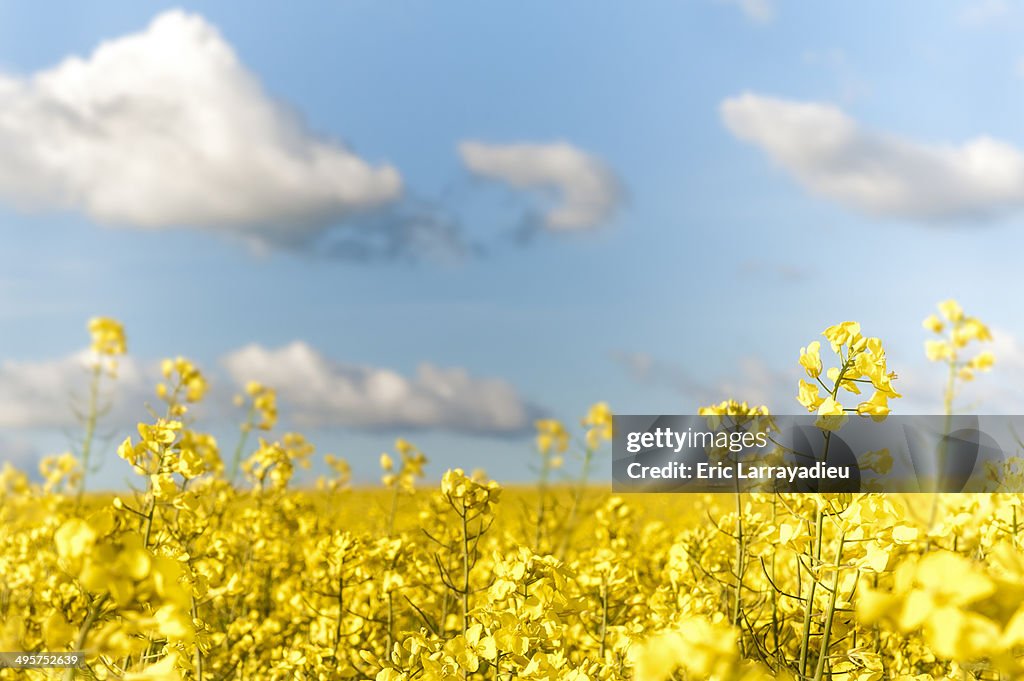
point(107, 336)
point(810, 359)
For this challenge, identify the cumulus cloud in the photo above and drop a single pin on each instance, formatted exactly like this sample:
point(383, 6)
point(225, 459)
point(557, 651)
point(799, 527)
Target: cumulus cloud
point(588, 193)
point(883, 175)
point(47, 393)
point(313, 391)
point(320, 392)
point(167, 128)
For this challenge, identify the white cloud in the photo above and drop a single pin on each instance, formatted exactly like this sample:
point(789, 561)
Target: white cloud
point(830, 154)
point(589, 193)
point(319, 392)
point(759, 11)
point(167, 128)
point(45, 394)
point(313, 392)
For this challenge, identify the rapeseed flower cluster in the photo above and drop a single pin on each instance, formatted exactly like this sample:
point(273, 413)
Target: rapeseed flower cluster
point(861, 363)
point(956, 330)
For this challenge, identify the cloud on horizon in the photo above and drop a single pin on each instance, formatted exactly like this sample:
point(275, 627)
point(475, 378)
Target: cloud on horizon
point(319, 392)
point(47, 393)
point(313, 391)
point(882, 175)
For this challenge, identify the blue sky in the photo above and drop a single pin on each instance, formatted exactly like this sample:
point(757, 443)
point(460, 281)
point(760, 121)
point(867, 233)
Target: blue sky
point(733, 177)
